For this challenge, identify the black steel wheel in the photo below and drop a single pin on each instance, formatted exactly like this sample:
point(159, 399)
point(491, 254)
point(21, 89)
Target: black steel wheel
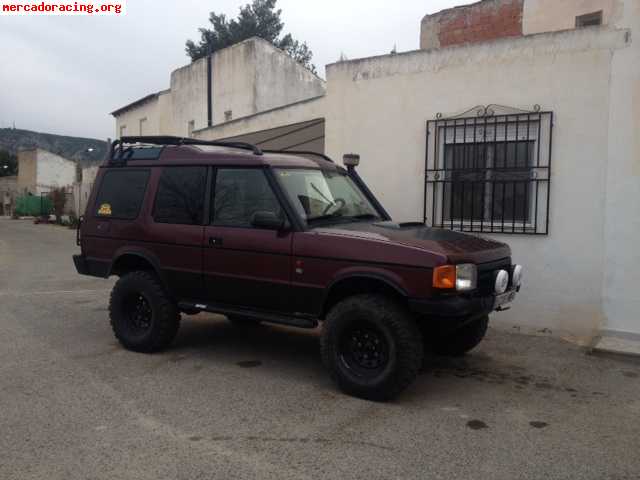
point(371, 346)
point(364, 349)
point(143, 317)
point(139, 314)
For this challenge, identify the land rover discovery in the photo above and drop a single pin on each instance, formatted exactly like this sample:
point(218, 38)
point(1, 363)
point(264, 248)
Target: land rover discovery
point(290, 238)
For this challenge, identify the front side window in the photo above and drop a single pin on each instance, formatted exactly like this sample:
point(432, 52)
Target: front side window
point(121, 194)
point(239, 193)
point(321, 195)
point(180, 197)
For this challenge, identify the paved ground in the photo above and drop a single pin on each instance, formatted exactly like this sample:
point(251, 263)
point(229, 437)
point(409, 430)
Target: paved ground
point(226, 403)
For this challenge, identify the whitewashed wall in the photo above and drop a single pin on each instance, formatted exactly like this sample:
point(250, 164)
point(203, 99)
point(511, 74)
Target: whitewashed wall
point(53, 171)
point(299, 112)
point(247, 78)
point(622, 226)
point(379, 107)
point(540, 16)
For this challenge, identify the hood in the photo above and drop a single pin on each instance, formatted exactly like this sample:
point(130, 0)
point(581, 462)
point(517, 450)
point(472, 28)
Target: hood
point(457, 247)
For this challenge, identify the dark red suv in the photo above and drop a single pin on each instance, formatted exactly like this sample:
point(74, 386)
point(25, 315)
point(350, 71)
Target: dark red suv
point(289, 238)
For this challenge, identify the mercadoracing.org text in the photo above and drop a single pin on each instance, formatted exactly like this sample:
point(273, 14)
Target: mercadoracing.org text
point(48, 7)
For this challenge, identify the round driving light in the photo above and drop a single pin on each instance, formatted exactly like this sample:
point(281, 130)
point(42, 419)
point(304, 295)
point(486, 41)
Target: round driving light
point(502, 281)
point(516, 276)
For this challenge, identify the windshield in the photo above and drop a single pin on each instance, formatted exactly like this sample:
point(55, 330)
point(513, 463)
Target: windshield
point(325, 196)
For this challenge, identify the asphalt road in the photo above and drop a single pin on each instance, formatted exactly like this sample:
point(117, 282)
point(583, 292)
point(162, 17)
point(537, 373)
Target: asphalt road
point(228, 403)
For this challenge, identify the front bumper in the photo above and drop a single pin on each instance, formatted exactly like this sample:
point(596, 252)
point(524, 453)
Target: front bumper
point(462, 306)
point(447, 314)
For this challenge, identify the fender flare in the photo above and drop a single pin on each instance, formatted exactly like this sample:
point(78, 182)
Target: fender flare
point(361, 275)
point(146, 256)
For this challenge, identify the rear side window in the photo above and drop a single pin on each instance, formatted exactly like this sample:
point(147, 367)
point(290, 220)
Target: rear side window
point(180, 197)
point(121, 194)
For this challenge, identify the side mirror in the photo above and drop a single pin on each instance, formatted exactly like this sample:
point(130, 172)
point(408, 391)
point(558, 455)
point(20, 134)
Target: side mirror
point(267, 220)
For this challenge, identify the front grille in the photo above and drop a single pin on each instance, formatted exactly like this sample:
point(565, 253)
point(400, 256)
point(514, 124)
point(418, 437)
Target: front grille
point(486, 275)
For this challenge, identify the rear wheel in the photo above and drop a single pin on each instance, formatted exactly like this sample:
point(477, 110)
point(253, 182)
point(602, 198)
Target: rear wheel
point(371, 346)
point(143, 317)
point(462, 340)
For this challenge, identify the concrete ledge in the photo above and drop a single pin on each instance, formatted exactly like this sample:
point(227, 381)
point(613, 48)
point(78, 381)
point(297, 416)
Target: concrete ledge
point(624, 343)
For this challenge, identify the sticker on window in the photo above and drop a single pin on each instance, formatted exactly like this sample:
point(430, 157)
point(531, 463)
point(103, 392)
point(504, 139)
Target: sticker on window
point(105, 210)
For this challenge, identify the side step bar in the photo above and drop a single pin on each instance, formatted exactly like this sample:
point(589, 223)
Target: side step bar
point(289, 320)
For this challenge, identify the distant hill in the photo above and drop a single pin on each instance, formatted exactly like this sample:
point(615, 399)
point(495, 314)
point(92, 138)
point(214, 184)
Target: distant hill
point(73, 148)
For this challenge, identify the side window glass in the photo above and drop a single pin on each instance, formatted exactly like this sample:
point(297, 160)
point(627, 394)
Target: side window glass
point(238, 194)
point(121, 194)
point(180, 197)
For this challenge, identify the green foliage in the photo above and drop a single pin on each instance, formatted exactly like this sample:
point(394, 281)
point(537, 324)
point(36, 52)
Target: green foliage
point(257, 19)
point(8, 164)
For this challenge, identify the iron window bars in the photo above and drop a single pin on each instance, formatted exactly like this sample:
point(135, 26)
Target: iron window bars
point(488, 170)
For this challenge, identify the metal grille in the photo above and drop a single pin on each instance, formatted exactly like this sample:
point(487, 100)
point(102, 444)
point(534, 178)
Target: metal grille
point(489, 170)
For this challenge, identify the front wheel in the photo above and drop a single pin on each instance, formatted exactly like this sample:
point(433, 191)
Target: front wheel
point(371, 346)
point(462, 340)
point(143, 317)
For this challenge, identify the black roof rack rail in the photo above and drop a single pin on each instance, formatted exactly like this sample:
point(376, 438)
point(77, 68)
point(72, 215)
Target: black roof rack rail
point(301, 152)
point(169, 140)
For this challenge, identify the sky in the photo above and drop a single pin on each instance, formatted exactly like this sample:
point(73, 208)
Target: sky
point(64, 75)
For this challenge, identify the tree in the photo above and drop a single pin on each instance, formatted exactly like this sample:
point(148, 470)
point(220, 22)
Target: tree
point(8, 164)
point(256, 19)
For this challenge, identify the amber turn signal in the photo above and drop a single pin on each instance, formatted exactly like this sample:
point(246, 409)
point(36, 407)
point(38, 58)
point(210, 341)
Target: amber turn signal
point(444, 277)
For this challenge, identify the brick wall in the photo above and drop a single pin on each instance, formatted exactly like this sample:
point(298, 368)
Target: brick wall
point(479, 22)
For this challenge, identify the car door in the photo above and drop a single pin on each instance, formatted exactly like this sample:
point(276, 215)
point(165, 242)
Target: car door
point(176, 227)
point(245, 266)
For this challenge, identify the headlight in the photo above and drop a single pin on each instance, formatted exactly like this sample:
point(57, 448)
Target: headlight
point(463, 277)
point(516, 275)
point(466, 277)
point(502, 281)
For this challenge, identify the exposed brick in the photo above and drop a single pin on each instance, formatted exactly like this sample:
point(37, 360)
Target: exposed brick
point(480, 22)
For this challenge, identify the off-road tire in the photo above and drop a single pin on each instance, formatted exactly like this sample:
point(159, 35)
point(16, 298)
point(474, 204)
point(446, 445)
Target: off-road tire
point(395, 325)
point(165, 318)
point(463, 340)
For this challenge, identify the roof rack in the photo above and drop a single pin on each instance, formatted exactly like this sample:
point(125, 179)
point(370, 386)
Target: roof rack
point(301, 152)
point(120, 153)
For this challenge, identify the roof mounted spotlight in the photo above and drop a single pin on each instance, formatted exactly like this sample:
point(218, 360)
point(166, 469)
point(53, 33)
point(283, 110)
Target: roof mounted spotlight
point(351, 160)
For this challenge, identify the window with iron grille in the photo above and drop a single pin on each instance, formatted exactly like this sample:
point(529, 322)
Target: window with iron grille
point(489, 172)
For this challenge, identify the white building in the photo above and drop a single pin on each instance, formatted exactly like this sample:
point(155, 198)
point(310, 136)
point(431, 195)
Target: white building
point(40, 171)
point(82, 189)
point(564, 77)
point(247, 78)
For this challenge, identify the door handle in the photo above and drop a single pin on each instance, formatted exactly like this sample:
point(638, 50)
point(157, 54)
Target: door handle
point(215, 241)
